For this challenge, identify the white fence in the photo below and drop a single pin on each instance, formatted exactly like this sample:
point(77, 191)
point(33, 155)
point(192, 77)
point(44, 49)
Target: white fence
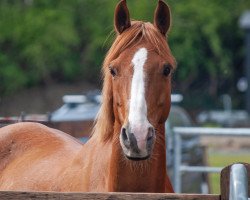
point(184, 131)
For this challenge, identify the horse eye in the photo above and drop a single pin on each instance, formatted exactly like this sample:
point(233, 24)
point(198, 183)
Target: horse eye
point(166, 69)
point(113, 71)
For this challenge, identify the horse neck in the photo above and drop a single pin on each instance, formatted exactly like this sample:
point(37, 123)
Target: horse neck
point(139, 176)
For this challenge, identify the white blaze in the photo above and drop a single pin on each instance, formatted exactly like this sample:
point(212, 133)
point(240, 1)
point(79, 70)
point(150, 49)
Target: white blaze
point(138, 108)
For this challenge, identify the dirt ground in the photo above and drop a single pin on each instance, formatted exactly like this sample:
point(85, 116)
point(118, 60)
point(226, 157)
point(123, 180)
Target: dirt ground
point(40, 100)
point(227, 143)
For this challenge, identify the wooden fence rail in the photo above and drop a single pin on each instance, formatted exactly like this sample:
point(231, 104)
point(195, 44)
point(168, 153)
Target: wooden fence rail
point(103, 196)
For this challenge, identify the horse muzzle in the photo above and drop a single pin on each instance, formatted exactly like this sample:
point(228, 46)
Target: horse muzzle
point(137, 143)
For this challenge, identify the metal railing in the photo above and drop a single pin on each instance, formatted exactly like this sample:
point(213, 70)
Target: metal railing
point(200, 131)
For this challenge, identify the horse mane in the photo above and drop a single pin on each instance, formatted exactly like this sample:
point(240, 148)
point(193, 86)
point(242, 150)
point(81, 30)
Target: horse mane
point(104, 123)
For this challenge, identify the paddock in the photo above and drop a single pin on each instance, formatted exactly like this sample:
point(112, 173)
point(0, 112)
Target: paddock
point(38, 162)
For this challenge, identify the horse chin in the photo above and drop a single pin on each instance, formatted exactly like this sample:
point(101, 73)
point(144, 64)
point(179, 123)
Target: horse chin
point(137, 158)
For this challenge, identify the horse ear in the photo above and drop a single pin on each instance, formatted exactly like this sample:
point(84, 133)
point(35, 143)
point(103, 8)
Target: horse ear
point(121, 18)
point(162, 17)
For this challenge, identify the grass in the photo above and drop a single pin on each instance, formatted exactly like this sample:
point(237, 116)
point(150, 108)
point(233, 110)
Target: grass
point(219, 158)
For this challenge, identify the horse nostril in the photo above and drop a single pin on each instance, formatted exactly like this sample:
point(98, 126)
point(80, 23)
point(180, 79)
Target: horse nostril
point(125, 138)
point(150, 138)
point(151, 133)
point(124, 134)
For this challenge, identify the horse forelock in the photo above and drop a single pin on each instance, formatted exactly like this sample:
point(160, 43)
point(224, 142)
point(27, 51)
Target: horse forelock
point(138, 31)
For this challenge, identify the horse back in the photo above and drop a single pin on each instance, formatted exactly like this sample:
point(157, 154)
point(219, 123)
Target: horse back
point(29, 136)
point(30, 148)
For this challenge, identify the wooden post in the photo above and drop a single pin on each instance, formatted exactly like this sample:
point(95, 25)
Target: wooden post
point(225, 181)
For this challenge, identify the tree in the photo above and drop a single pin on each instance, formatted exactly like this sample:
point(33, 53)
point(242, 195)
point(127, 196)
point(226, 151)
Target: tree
point(43, 41)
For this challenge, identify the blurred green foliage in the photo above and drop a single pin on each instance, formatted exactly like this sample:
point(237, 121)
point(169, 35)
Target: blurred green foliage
point(208, 45)
point(43, 41)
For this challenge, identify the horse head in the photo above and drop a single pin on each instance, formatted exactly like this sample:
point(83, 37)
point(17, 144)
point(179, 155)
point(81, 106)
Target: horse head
point(139, 67)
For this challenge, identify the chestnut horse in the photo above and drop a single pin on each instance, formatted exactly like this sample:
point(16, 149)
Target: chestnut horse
point(127, 150)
